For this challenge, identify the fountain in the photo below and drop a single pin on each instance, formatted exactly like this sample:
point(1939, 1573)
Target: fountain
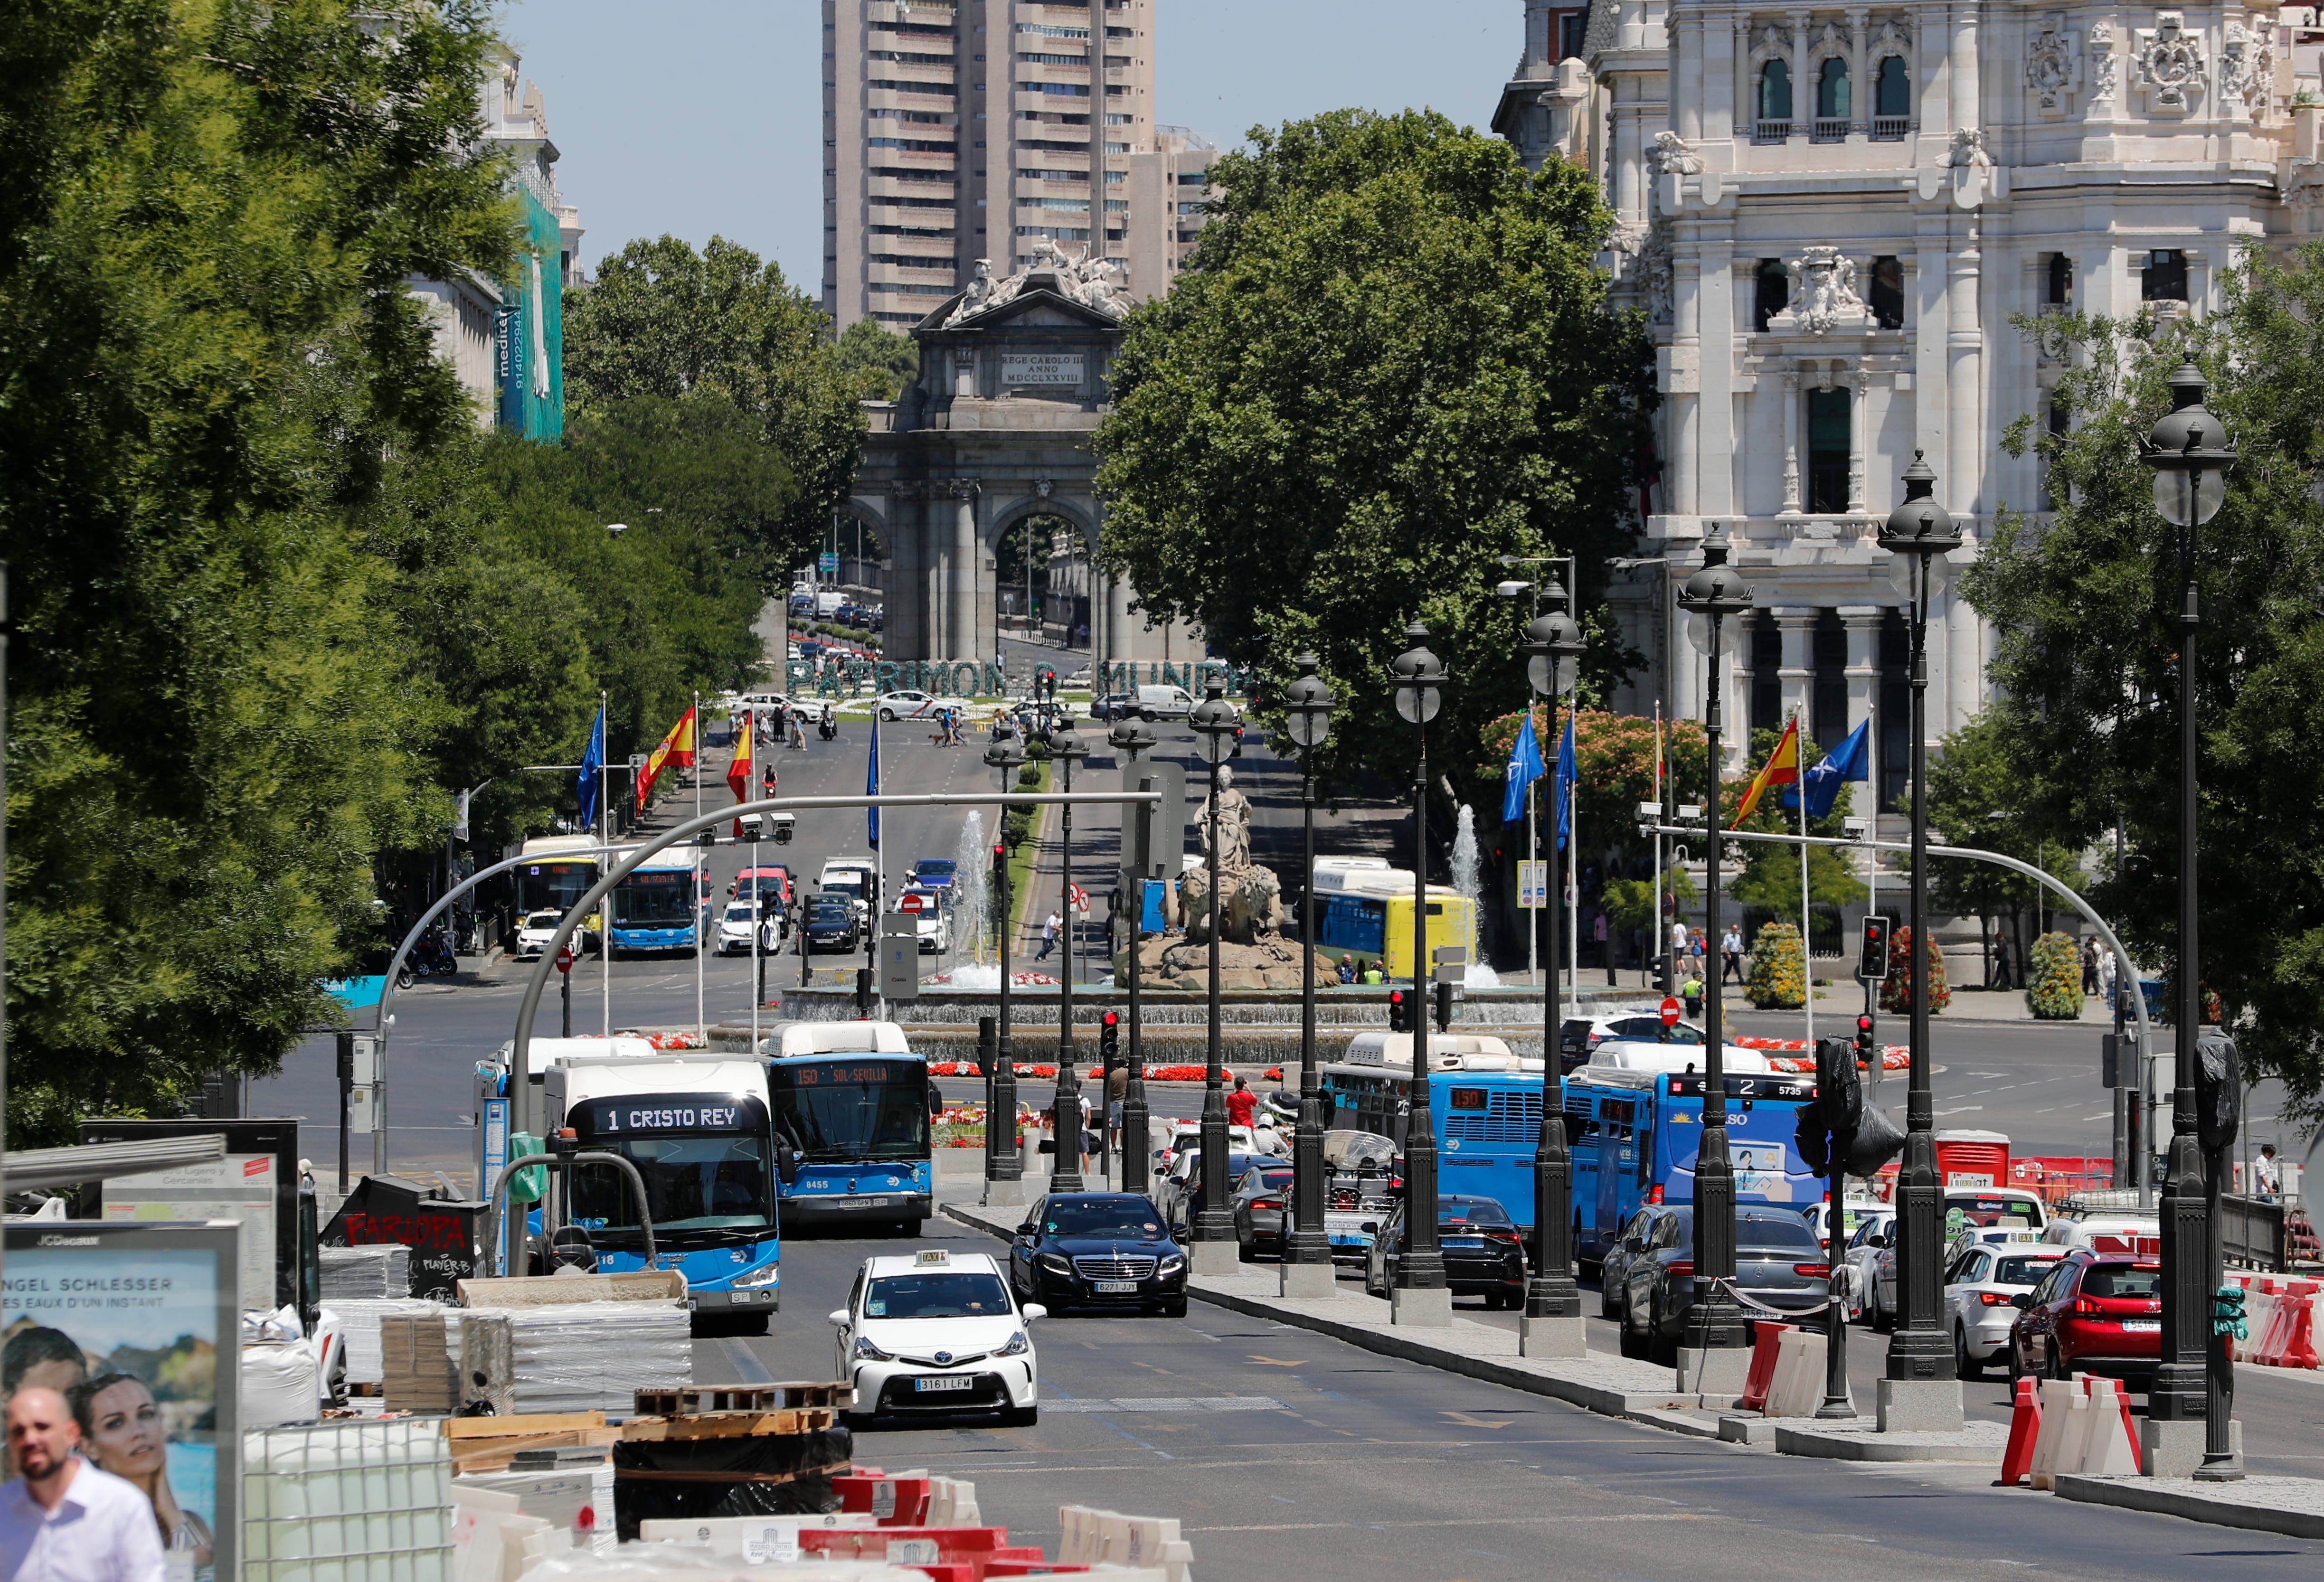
point(1468, 878)
point(972, 884)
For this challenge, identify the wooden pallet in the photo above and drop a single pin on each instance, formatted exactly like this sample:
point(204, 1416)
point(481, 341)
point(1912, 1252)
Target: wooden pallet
point(653, 1475)
point(694, 1402)
point(497, 1455)
point(728, 1425)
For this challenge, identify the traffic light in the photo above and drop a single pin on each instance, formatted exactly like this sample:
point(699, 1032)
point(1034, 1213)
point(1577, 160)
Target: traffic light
point(1872, 961)
point(1445, 993)
point(1396, 1022)
point(1836, 1132)
point(1109, 1040)
point(2219, 1090)
point(863, 992)
point(1867, 1050)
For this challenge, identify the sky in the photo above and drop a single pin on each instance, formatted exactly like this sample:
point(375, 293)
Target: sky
point(701, 118)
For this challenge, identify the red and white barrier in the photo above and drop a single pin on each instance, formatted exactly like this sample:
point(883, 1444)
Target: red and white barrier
point(2289, 1339)
point(2025, 1432)
point(1766, 1345)
point(1797, 1389)
point(2084, 1427)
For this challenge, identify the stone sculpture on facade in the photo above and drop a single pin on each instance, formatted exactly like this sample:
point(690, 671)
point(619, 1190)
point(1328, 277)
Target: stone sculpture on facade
point(2246, 67)
point(1823, 295)
point(1093, 282)
point(2167, 59)
point(1673, 155)
point(1968, 151)
point(2103, 62)
point(2053, 65)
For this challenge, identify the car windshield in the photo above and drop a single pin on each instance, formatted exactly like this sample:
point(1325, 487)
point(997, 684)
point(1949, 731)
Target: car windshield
point(954, 1295)
point(2138, 1280)
point(1131, 1219)
point(1470, 1211)
point(829, 909)
point(937, 868)
point(740, 912)
point(1265, 1181)
point(543, 919)
point(1778, 1232)
point(1983, 1211)
point(2021, 1271)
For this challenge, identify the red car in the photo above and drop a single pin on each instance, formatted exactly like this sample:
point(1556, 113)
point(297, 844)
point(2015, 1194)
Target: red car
point(2093, 1312)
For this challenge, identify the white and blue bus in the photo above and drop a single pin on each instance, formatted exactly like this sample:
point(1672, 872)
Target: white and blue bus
point(851, 1107)
point(661, 905)
point(1484, 1105)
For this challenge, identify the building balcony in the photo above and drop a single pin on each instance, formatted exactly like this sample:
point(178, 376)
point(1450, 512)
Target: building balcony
point(1770, 130)
point(1891, 128)
point(1829, 129)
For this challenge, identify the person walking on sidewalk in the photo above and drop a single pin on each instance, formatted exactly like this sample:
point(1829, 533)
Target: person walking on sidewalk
point(1117, 1093)
point(1730, 955)
point(1049, 935)
point(1242, 1105)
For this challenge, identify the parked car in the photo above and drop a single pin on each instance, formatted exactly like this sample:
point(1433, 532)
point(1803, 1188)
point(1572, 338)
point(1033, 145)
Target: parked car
point(1578, 1035)
point(2093, 1312)
point(1981, 1285)
point(1262, 1209)
point(937, 1332)
point(1777, 1264)
point(1613, 1270)
point(1098, 1250)
point(1483, 1256)
point(906, 706)
point(832, 924)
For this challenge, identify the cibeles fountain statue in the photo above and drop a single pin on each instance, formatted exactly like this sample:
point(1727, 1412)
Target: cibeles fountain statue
point(1254, 954)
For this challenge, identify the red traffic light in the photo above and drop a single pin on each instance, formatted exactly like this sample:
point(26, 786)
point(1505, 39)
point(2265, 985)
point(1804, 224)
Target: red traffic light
point(1396, 996)
point(1864, 1024)
point(1112, 1019)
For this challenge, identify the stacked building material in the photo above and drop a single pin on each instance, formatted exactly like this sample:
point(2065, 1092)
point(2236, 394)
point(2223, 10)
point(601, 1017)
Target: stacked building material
point(593, 1356)
point(357, 1274)
point(360, 1318)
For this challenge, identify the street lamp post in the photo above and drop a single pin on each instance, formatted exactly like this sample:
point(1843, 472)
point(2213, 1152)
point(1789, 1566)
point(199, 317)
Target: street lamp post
point(1135, 738)
point(1066, 747)
point(1419, 1295)
point(1711, 1357)
point(2188, 452)
point(1306, 1269)
point(1214, 720)
point(1004, 1166)
point(1552, 1323)
point(1919, 535)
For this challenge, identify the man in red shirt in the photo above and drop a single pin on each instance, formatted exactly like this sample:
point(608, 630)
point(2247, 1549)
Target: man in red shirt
point(1242, 1105)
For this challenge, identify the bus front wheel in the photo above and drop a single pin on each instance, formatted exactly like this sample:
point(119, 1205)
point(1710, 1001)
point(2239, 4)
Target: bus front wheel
point(907, 1228)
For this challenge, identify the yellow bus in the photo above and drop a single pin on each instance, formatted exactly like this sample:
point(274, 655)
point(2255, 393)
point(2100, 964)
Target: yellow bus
point(1363, 909)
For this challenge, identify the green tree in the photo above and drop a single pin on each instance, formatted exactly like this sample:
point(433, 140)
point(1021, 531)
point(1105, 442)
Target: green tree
point(2084, 600)
point(1981, 796)
point(882, 362)
point(209, 370)
point(1391, 363)
point(664, 320)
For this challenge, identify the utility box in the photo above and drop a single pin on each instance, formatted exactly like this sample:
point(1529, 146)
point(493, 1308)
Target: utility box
point(899, 957)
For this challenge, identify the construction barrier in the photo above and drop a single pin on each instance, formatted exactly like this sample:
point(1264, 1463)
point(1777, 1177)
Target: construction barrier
point(1765, 1344)
point(2082, 1425)
point(1797, 1388)
point(1106, 1538)
point(2289, 1339)
point(2025, 1430)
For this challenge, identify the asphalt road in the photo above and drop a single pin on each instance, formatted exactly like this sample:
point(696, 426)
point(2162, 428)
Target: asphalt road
point(1289, 1455)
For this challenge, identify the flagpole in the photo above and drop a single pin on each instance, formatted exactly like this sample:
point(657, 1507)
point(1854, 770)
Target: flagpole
point(1661, 936)
point(758, 902)
point(1807, 957)
point(606, 912)
point(1872, 814)
point(1573, 870)
point(701, 876)
point(1533, 854)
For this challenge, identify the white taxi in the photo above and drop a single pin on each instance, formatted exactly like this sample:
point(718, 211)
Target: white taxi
point(937, 1333)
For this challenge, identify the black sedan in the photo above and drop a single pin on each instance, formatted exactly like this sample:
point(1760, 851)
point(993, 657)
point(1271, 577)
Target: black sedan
point(1098, 1250)
point(1262, 1209)
point(831, 924)
point(1778, 1264)
point(1483, 1256)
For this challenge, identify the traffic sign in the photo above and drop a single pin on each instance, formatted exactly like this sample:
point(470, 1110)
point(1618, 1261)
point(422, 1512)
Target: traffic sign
point(564, 958)
point(910, 905)
point(1080, 898)
point(826, 561)
point(1670, 1012)
point(1533, 884)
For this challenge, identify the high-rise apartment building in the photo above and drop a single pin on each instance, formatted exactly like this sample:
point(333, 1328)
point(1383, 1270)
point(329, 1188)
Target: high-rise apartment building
point(958, 132)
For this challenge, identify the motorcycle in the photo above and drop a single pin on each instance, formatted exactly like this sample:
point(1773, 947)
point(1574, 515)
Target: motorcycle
point(430, 957)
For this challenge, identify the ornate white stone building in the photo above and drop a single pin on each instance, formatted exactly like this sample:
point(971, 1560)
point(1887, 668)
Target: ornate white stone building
point(1832, 214)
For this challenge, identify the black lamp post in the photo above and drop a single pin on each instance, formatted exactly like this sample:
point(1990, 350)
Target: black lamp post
point(1134, 739)
point(2188, 452)
point(1713, 596)
point(1002, 1162)
point(1215, 722)
point(1066, 748)
point(1419, 687)
point(1307, 1253)
point(1553, 1311)
point(1920, 534)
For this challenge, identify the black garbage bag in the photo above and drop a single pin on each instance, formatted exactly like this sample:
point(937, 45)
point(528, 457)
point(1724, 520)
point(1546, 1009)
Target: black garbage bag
point(757, 1474)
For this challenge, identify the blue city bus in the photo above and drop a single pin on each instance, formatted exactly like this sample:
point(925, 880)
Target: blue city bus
point(661, 906)
point(1483, 1104)
point(1633, 1137)
point(851, 1135)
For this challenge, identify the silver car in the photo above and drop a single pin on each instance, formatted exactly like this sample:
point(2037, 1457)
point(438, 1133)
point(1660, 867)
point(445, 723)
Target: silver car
point(1979, 1286)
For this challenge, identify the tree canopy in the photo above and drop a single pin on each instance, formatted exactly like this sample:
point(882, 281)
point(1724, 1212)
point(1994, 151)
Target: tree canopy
point(2083, 601)
point(1389, 363)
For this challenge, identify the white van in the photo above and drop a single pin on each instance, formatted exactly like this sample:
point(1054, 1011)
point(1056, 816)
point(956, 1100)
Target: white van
point(1631, 1055)
point(1447, 1052)
point(1164, 703)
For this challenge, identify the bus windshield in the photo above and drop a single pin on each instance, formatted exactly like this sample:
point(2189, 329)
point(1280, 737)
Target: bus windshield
point(709, 1183)
point(851, 1108)
point(554, 885)
point(661, 898)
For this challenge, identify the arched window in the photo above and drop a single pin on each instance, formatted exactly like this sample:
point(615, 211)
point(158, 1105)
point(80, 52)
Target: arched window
point(1831, 90)
point(1892, 94)
point(1775, 91)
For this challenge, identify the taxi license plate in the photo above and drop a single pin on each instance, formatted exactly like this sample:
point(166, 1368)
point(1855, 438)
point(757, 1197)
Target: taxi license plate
point(931, 1384)
point(859, 1203)
point(1116, 1287)
point(2142, 1326)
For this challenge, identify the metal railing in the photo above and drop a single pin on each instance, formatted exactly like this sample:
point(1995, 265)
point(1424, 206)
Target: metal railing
point(1770, 130)
point(1829, 129)
point(1891, 128)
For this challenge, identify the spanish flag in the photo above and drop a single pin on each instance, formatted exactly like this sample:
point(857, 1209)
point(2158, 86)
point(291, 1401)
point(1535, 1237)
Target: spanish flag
point(677, 747)
point(1782, 769)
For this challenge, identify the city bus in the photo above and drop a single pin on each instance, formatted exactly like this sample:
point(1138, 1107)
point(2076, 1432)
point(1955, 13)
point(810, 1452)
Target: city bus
point(557, 872)
point(695, 1125)
point(661, 904)
point(1363, 909)
point(852, 1106)
point(1484, 1103)
point(1634, 1136)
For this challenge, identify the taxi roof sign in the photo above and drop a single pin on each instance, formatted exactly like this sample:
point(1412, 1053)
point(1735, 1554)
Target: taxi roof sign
point(931, 1256)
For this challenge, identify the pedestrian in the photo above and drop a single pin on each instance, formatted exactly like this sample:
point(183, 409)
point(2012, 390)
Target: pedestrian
point(2267, 1175)
point(1730, 955)
point(62, 1520)
point(1049, 935)
point(1347, 970)
point(1117, 1093)
point(1691, 991)
point(1678, 944)
point(797, 717)
point(1605, 945)
point(2106, 966)
point(1372, 974)
point(1242, 1105)
point(2002, 965)
point(1699, 948)
point(2089, 965)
